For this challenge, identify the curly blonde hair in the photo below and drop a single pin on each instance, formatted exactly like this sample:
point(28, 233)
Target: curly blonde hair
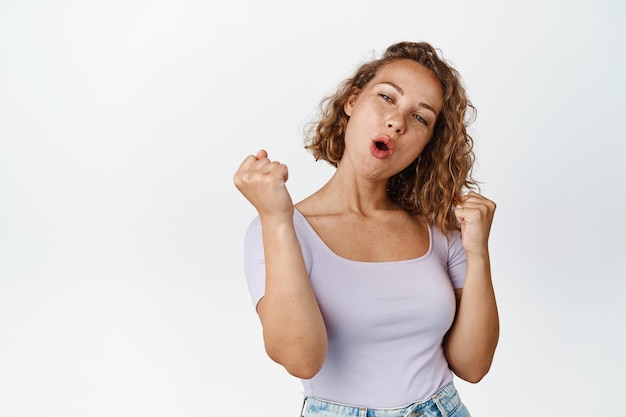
point(434, 181)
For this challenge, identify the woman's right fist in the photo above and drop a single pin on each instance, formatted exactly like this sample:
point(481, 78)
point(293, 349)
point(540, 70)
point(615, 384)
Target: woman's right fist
point(262, 182)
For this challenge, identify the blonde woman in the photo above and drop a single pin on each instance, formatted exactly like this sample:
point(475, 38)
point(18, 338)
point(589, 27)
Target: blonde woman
point(376, 289)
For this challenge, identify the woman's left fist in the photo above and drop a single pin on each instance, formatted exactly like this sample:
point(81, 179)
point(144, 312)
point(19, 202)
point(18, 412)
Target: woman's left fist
point(475, 214)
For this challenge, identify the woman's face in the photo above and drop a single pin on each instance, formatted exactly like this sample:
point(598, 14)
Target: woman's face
point(391, 119)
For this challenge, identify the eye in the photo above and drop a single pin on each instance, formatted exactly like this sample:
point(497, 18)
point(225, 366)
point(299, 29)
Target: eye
point(420, 119)
point(386, 98)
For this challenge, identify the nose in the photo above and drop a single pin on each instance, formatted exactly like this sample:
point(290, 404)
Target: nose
point(395, 122)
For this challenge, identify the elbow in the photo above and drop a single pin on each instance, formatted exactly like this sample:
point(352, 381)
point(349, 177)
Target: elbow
point(473, 378)
point(304, 366)
point(303, 370)
point(474, 374)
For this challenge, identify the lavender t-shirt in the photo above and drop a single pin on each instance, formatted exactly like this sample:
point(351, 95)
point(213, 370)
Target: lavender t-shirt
point(385, 320)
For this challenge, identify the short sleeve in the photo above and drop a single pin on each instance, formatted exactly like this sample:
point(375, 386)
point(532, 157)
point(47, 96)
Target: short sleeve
point(254, 261)
point(457, 264)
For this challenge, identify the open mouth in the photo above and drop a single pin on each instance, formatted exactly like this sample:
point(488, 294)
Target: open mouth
point(382, 146)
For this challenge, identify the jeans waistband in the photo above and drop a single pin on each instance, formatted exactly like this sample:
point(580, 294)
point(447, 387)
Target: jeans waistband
point(443, 403)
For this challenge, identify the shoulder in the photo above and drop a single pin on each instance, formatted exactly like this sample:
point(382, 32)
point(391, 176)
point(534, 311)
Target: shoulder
point(310, 206)
point(450, 243)
point(452, 238)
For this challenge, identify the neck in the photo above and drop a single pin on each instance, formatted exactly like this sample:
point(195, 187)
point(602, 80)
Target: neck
point(345, 192)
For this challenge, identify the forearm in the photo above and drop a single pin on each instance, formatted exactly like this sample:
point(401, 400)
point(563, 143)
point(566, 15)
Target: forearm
point(293, 327)
point(471, 342)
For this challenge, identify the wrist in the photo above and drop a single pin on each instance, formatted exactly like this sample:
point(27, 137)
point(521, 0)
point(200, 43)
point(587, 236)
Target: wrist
point(276, 221)
point(477, 258)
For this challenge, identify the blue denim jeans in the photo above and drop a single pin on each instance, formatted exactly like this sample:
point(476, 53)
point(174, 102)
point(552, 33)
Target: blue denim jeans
point(445, 403)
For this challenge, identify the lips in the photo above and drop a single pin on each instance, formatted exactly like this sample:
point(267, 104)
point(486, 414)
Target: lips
point(382, 147)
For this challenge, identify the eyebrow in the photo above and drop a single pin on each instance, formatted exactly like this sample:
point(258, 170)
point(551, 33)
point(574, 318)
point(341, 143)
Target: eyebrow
point(401, 91)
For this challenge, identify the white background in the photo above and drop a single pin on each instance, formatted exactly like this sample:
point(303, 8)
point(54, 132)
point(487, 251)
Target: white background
point(122, 122)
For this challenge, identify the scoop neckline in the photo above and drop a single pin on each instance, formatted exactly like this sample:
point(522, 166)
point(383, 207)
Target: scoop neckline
point(326, 248)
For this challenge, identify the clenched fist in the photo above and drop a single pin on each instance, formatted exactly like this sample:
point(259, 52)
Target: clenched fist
point(262, 182)
point(475, 213)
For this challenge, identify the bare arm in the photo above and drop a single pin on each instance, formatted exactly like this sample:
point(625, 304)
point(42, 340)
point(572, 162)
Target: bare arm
point(293, 327)
point(471, 342)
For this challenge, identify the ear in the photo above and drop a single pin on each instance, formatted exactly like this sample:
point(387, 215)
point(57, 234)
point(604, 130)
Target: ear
point(347, 107)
